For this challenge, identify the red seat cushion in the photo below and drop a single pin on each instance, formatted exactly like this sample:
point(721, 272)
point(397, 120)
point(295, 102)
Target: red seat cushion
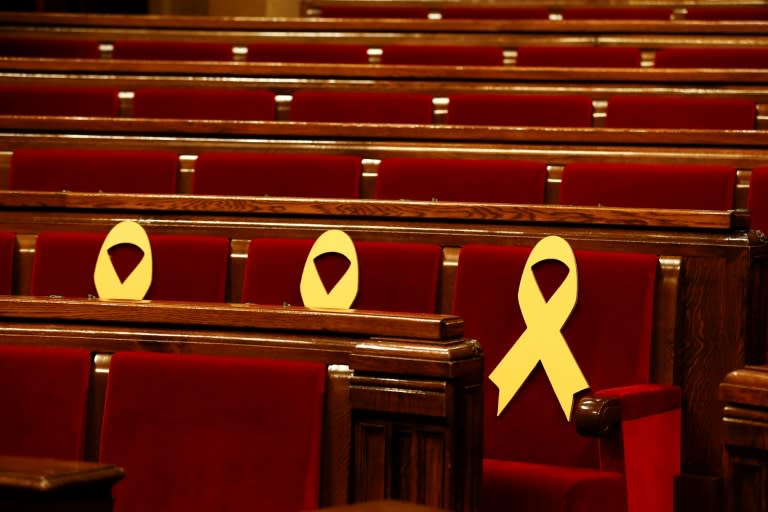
point(44, 397)
point(372, 11)
point(393, 276)
point(278, 174)
point(42, 100)
point(579, 56)
point(361, 107)
point(696, 187)
point(7, 254)
point(200, 433)
point(492, 12)
point(94, 170)
point(617, 13)
point(308, 52)
point(172, 50)
point(64, 263)
point(442, 55)
point(449, 179)
point(221, 104)
point(680, 112)
point(711, 58)
point(49, 48)
point(727, 13)
point(520, 110)
point(758, 198)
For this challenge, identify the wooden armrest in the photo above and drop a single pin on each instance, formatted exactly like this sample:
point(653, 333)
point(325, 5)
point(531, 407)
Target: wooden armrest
point(597, 416)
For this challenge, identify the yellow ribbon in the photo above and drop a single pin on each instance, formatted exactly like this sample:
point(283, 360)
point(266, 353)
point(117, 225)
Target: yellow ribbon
point(136, 285)
point(542, 339)
point(343, 294)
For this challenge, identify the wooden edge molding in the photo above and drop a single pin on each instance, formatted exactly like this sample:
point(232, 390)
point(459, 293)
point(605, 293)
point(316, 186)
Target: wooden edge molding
point(596, 416)
point(49, 474)
point(746, 386)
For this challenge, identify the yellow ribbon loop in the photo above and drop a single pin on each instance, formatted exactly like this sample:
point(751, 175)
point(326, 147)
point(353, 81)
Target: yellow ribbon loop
point(343, 294)
point(542, 339)
point(136, 285)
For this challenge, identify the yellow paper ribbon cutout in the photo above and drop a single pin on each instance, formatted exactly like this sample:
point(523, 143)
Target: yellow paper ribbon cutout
point(343, 294)
point(542, 339)
point(136, 285)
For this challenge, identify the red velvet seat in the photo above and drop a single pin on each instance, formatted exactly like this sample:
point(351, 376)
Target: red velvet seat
point(278, 174)
point(712, 58)
point(579, 56)
point(532, 456)
point(442, 55)
point(205, 103)
point(373, 11)
point(452, 179)
point(680, 112)
point(393, 276)
point(696, 187)
point(361, 107)
point(201, 433)
point(520, 110)
point(187, 268)
point(49, 48)
point(492, 12)
point(757, 201)
point(42, 100)
point(172, 50)
point(727, 13)
point(617, 13)
point(331, 53)
point(43, 396)
point(94, 170)
point(7, 254)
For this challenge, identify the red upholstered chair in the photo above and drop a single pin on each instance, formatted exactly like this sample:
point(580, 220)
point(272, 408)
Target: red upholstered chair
point(442, 55)
point(532, 457)
point(758, 199)
point(373, 11)
point(7, 253)
point(520, 110)
point(278, 174)
point(187, 268)
point(198, 103)
point(579, 56)
point(308, 52)
point(711, 58)
point(43, 396)
point(42, 100)
point(727, 13)
point(53, 48)
point(200, 433)
point(451, 179)
point(696, 187)
point(361, 107)
point(680, 112)
point(491, 12)
point(94, 170)
point(393, 276)
point(616, 13)
point(172, 50)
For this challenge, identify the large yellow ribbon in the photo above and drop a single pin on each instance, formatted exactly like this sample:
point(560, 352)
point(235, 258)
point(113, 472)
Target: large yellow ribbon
point(136, 285)
point(343, 294)
point(542, 339)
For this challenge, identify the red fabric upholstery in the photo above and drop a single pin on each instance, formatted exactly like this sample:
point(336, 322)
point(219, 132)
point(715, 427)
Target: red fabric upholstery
point(200, 433)
point(361, 107)
point(723, 13)
point(711, 58)
point(393, 276)
point(450, 179)
point(491, 12)
point(43, 396)
point(58, 48)
point(520, 110)
point(41, 100)
point(372, 11)
point(757, 201)
point(278, 174)
point(442, 55)
point(7, 253)
point(643, 400)
point(617, 13)
point(94, 170)
point(680, 112)
point(696, 187)
point(172, 50)
point(223, 104)
point(579, 56)
point(188, 268)
point(308, 52)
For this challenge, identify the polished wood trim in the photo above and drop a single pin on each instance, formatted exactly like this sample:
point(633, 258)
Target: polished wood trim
point(49, 474)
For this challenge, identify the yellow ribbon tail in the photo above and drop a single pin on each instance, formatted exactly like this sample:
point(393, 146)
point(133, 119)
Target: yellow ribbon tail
point(513, 369)
point(565, 376)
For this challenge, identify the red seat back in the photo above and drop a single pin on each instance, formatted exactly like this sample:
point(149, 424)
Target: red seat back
point(42, 100)
point(711, 58)
point(680, 112)
point(343, 53)
point(520, 110)
point(727, 13)
point(49, 48)
point(492, 12)
point(758, 199)
point(373, 11)
point(200, 103)
point(7, 254)
point(579, 56)
point(617, 13)
point(361, 107)
point(172, 50)
point(442, 55)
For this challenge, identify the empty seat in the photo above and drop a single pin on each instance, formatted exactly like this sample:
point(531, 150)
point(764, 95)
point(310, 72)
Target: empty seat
point(172, 50)
point(757, 201)
point(727, 13)
point(680, 112)
point(442, 55)
point(393, 276)
point(43, 396)
point(492, 12)
point(617, 13)
point(361, 107)
point(7, 254)
point(373, 11)
point(93, 170)
point(199, 103)
point(579, 56)
point(696, 187)
point(341, 53)
point(49, 48)
point(42, 100)
point(278, 174)
point(449, 179)
point(520, 110)
point(186, 268)
point(711, 58)
point(199, 433)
